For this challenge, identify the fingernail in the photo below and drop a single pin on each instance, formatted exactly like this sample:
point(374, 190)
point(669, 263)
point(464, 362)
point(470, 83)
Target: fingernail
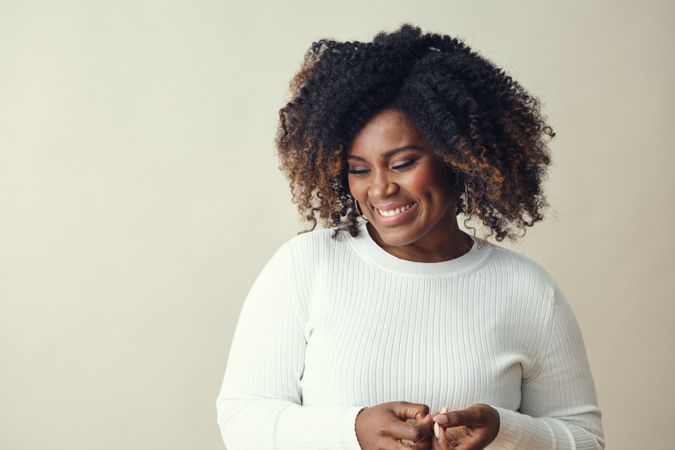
point(441, 419)
point(437, 431)
point(445, 409)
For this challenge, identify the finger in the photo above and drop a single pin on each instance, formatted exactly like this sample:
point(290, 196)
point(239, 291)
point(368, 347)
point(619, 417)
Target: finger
point(472, 442)
point(468, 417)
point(439, 442)
point(423, 444)
point(417, 413)
point(407, 444)
point(403, 430)
point(440, 433)
point(454, 436)
point(442, 438)
point(425, 425)
point(407, 410)
point(473, 445)
point(400, 445)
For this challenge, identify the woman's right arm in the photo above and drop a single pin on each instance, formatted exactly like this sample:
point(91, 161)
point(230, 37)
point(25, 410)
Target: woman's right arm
point(259, 404)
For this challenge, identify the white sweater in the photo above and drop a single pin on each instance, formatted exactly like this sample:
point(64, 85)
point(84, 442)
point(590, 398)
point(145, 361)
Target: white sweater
point(330, 326)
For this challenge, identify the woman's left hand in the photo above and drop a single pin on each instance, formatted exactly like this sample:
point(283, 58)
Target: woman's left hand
point(472, 428)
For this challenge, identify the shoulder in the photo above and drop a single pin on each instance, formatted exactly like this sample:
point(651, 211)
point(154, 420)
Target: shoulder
point(514, 264)
point(316, 244)
point(525, 281)
point(307, 255)
point(300, 252)
point(529, 295)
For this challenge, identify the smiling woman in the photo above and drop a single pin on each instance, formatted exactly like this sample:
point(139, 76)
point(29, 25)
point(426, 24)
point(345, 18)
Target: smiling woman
point(405, 191)
point(392, 328)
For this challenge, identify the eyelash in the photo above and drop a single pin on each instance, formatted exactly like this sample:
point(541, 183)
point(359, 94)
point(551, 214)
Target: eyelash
point(406, 164)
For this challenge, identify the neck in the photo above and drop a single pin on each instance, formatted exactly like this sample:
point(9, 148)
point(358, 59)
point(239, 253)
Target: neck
point(450, 244)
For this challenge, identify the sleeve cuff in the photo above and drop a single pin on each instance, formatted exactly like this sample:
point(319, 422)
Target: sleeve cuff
point(510, 429)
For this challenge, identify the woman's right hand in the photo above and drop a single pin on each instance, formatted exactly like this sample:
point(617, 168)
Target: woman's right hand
point(385, 425)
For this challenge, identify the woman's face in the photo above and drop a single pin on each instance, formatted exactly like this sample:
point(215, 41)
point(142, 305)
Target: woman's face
point(401, 186)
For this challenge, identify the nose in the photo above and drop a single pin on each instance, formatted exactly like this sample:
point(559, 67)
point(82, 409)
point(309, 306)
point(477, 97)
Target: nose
point(383, 187)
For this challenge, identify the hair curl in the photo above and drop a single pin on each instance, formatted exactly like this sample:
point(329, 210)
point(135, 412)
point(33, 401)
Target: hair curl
point(481, 124)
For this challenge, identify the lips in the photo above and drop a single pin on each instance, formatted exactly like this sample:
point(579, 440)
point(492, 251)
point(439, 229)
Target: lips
point(395, 214)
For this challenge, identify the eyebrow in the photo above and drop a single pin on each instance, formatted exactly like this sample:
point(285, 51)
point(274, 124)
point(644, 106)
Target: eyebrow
point(388, 153)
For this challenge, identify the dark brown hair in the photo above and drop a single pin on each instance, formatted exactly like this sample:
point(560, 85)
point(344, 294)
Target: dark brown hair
point(484, 127)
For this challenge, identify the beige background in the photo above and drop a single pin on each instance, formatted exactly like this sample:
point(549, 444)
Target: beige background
point(140, 196)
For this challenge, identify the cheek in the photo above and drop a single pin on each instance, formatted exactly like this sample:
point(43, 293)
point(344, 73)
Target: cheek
point(426, 181)
point(355, 188)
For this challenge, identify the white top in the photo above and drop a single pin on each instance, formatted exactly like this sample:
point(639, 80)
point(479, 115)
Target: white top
point(330, 326)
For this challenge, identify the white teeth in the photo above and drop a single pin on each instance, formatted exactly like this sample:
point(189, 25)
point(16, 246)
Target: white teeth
point(393, 212)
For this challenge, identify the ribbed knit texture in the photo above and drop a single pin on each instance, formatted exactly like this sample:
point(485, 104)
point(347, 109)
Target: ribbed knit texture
point(331, 326)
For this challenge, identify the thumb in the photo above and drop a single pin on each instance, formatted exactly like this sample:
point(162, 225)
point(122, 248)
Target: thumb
point(467, 417)
point(407, 410)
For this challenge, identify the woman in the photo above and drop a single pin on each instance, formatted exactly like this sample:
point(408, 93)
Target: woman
point(352, 335)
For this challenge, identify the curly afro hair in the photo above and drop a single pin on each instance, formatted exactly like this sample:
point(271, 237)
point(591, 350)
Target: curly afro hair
point(481, 124)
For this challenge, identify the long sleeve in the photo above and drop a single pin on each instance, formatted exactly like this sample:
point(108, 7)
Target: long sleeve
point(259, 406)
point(558, 407)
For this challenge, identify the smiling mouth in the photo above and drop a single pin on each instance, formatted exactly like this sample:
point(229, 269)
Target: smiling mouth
point(395, 212)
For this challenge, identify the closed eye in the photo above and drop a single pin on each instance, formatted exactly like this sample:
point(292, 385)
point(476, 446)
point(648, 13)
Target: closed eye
point(409, 162)
point(357, 172)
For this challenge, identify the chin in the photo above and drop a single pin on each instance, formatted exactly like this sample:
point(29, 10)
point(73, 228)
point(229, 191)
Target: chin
point(399, 235)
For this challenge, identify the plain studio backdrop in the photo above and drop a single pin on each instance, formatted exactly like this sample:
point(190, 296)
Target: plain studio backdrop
point(140, 197)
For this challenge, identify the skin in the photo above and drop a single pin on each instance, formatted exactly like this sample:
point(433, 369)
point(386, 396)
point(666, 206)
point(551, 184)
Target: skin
point(430, 233)
point(387, 424)
point(468, 429)
point(391, 162)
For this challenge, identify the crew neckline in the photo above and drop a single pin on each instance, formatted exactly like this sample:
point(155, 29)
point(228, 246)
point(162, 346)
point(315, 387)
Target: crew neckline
point(366, 246)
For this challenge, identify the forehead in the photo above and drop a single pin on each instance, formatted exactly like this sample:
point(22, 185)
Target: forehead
point(386, 130)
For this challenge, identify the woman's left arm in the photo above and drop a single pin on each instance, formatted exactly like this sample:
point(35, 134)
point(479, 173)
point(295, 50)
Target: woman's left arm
point(558, 409)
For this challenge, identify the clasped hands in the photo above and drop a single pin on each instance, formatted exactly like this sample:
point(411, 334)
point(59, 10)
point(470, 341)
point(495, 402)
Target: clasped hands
point(387, 425)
